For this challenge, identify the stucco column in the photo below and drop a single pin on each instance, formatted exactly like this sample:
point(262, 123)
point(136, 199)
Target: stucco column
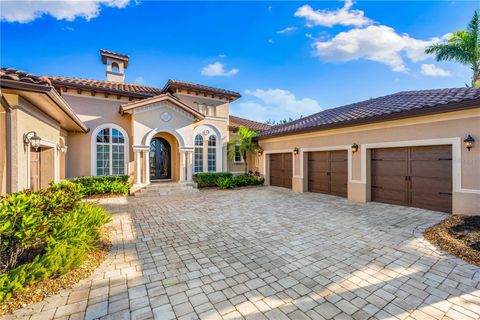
point(146, 173)
point(189, 165)
point(183, 166)
point(138, 167)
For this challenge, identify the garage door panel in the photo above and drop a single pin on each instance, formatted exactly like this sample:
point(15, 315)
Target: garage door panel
point(389, 196)
point(432, 201)
point(390, 168)
point(413, 176)
point(281, 170)
point(328, 172)
point(439, 169)
point(431, 153)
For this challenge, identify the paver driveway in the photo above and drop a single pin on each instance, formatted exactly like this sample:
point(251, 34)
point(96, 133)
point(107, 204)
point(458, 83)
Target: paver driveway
point(269, 253)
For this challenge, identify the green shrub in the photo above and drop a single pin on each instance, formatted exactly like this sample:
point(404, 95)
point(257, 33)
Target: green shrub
point(238, 181)
point(103, 185)
point(44, 234)
point(243, 180)
point(209, 179)
point(226, 183)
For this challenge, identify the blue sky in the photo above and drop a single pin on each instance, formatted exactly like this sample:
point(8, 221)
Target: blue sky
point(286, 58)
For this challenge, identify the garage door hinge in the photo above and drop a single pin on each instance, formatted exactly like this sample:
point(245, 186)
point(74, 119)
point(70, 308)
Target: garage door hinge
point(444, 158)
point(445, 193)
point(377, 187)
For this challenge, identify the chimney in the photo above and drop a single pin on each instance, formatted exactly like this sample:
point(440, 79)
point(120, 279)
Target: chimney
point(116, 65)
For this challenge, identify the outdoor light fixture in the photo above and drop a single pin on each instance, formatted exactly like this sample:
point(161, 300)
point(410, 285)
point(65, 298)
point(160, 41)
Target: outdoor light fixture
point(62, 149)
point(295, 151)
point(31, 138)
point(354, 148)
point(468, 141)
point(259, 152)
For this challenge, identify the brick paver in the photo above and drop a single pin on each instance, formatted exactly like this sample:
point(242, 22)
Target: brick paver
point(268, 253)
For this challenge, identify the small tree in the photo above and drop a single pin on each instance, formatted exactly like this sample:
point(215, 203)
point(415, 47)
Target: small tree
point(244, 142)
point(462, 46)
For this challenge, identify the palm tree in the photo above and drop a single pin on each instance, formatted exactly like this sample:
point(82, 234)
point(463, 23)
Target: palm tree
point(244, 143)
point(462, 46)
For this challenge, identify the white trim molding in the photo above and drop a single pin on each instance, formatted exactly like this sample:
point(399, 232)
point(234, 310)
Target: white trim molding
point(93, 150)
point(206, 131)
point(149, 136)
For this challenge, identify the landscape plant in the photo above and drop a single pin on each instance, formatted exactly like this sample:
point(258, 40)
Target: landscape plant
point(45, 234)
point(99, 185)
point(244, 142)
point(462, 46)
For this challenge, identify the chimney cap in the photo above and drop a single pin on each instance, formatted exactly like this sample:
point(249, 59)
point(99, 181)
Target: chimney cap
point(114, 55)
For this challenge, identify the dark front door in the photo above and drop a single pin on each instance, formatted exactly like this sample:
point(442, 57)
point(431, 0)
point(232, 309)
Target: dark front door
point(417, 176)
point(328, 172)
point(281, 170)
point(160, 159)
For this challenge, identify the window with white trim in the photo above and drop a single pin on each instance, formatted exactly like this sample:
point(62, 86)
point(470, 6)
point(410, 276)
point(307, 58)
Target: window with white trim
point(238, 155)
point(110, 152)
point(212, 154)
point(198, 154)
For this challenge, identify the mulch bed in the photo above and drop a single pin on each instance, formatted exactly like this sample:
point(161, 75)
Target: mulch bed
point(458, 235)
point(49, 287)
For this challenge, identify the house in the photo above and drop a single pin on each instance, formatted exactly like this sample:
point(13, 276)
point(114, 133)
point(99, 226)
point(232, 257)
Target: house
point(55, 127)
point(412, 148)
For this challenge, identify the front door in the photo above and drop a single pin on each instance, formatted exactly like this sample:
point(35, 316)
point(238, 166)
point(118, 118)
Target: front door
point(160, 159)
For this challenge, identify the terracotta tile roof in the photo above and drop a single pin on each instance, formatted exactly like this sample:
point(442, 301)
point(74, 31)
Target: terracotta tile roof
point(22, 76)
point(174, 84)
point(120, 56)
point(236, 122)
point(406, 103)
point(128, 89)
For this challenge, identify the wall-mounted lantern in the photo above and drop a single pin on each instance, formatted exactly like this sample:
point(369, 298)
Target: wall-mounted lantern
point(62, 149)
point(260, 152)
point(31, 138)
point(468, 141)
point(295, 151)
point(354, 148)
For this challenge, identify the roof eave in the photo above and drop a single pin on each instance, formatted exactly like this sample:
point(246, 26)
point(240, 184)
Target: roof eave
point(449, 107)
point(52, 94)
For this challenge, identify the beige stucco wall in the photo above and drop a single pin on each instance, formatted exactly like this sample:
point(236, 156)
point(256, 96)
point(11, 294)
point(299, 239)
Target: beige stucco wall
point(3, 151)
point(222, 108)
point(25, 117)
point(93, 111)
point(448, 125)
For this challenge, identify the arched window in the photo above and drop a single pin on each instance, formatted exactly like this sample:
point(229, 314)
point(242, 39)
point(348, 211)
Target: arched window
point(198, 157)
point(110, 151)
point(115, 67)
point(212, 154)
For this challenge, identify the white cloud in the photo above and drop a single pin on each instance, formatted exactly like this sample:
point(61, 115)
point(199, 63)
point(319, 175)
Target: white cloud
point(327, 18)
point(432, 70)
point(271, 41)
point(376, 43)
point(24, 11)
point(275, 104)
point(286, 30)
point(222, 56)
point(217, 69)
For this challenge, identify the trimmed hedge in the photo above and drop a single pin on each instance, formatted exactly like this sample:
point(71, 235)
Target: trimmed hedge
point(91, 185)
point(210, 179)
point(45, 234)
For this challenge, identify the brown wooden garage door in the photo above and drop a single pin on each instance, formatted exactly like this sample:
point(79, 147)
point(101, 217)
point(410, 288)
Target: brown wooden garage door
point(328, 172)
point(415, 176)
point(281, 170)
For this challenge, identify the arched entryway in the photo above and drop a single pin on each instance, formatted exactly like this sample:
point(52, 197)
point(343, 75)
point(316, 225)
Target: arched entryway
point(160, 159)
